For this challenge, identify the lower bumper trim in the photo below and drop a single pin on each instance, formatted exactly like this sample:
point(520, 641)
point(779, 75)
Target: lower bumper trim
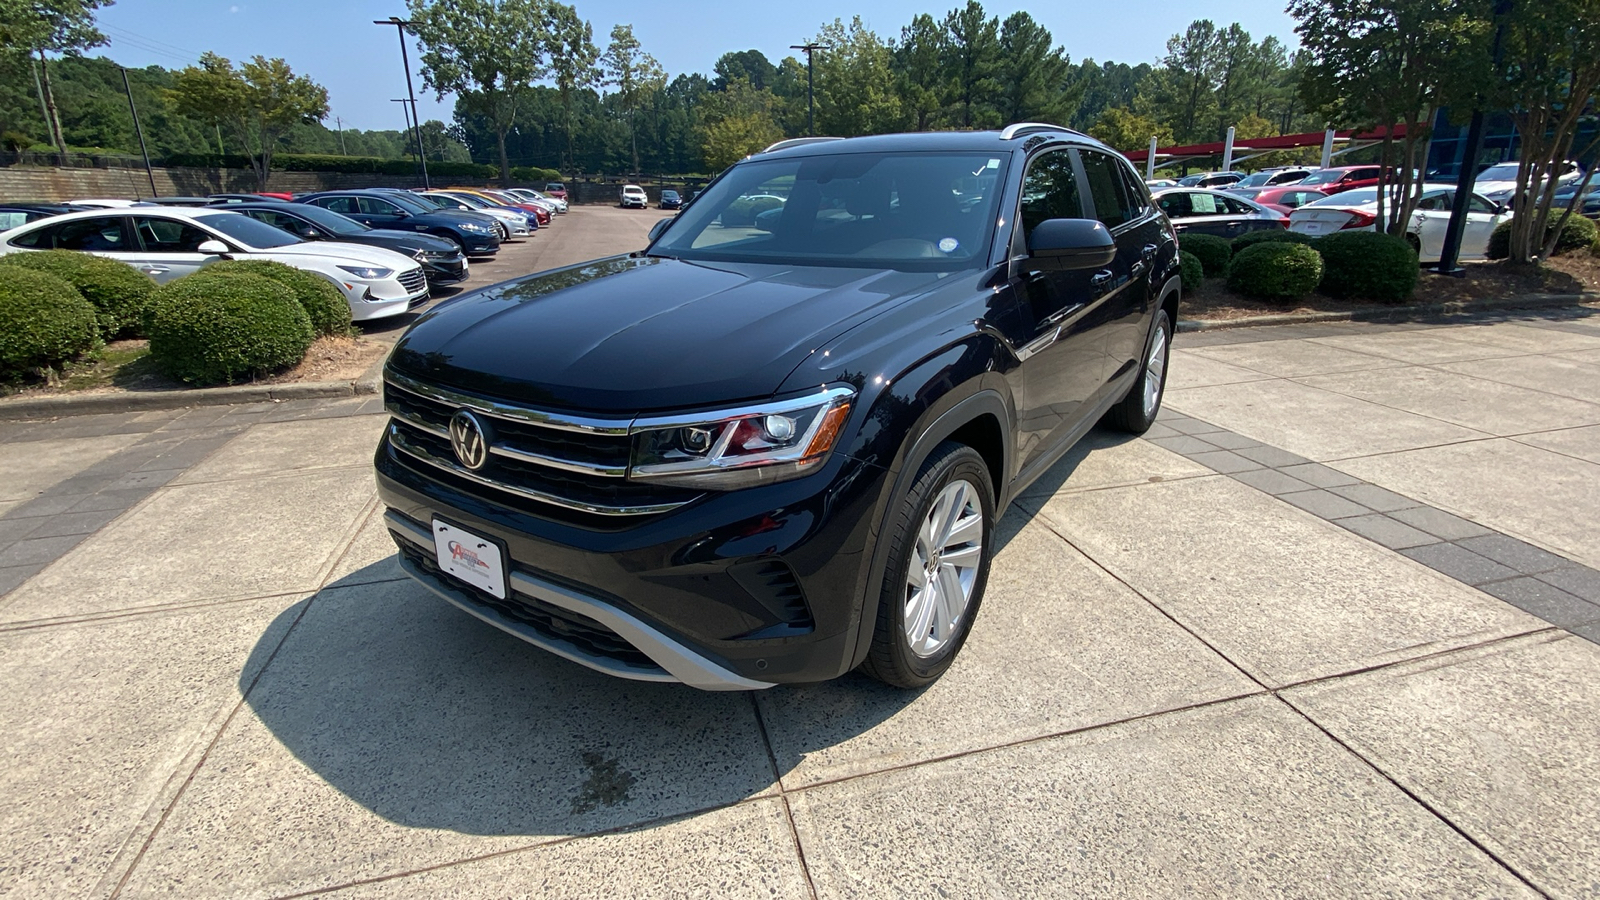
point(677, 662)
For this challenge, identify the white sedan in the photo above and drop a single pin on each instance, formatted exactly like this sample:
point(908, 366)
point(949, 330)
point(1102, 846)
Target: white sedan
point(1358, 210)
point(167, 243)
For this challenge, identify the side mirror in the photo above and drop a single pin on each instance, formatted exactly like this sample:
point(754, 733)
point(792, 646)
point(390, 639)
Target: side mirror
point(213, 248)
point(311, 234)
point(401, 214)
point(1071, 244)
point(658, 228)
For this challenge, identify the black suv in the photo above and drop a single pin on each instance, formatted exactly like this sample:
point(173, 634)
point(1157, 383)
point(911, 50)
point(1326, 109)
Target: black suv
point(754, 454)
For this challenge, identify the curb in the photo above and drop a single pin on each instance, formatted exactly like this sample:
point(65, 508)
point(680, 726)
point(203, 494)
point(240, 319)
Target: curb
point(53, 407)
point(1392, 313)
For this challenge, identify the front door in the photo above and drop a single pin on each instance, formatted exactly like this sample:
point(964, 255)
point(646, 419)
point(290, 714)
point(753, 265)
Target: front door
point(169, 248)
point(1062, 312)
point(1125, 210)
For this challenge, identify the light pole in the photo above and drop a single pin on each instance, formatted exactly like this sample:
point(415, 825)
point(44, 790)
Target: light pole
point(405, 58)
point(811, 101)
point(143, 150)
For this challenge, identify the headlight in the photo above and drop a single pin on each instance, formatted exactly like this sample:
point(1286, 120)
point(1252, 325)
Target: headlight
point(368, 271)
point(475, 227)
point(741, 448)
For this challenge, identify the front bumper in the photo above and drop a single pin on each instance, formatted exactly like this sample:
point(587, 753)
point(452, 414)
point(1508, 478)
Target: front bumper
point(756, 587)
point(445, 271)
point(476, 244)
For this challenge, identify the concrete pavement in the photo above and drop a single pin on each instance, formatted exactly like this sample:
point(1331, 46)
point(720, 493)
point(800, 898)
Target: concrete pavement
point(1316, 635)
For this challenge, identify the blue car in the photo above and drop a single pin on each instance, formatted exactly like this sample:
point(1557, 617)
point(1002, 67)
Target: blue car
point(475, 234)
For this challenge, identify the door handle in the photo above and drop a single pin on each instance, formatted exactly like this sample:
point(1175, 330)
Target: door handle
point(1149, 250)
point(1100, 279)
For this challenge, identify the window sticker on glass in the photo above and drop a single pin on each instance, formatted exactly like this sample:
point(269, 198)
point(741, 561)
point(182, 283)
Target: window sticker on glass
point(1204, 205)
point(948, 245)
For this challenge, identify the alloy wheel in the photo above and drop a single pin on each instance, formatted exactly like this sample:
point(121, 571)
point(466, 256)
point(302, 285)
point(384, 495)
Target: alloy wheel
point(1155, 369)
point(944, 568)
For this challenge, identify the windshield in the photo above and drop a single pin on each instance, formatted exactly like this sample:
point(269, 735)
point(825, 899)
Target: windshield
point(1256, 180)
point(470, 200)
point(248, 231)
point(1326, 176)
point(1361, 197)
point(1502, 172)
point(328, 220)
point(924, 211)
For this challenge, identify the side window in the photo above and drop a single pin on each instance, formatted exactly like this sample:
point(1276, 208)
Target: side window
point(346, 205)
point(167, 236)
point(372, 206)
point(1176, 204)
point(1296, 199)
point(1111, 204)
point(1237, 207)
point(1478, 205)
point(1138, 194)
point(1436, 202)
point(102, 234)
point(1050, 191)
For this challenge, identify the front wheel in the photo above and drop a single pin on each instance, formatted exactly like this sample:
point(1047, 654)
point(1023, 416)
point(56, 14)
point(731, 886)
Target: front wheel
point(1137, 411)
point(941, 539)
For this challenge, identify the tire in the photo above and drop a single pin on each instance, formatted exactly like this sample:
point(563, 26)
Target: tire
point(1137, 411)
point(954, 476)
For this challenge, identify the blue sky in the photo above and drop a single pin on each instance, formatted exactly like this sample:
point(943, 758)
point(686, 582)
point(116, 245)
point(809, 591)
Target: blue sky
point(334, 41)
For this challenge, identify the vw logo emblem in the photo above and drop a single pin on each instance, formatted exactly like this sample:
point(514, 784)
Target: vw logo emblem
point(469, 438)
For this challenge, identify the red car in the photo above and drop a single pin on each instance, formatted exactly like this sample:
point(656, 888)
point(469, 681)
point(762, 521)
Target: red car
point(1284, 198)
point(556, 189)
point(1339, 179)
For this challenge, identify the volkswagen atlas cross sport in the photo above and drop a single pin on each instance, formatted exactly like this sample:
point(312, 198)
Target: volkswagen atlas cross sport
point(755, 454)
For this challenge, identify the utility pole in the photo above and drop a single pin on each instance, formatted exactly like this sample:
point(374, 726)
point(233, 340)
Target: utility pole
point(339, 123)
point(405, 58)
point(811, 100)
point(1450, 253)
point(139, 129)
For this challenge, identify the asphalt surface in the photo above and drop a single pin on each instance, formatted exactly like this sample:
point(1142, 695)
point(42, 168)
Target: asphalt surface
point(1328, 630)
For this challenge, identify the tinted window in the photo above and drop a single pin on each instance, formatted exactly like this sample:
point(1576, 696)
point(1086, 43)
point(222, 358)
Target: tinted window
point(168, 236)
point(372, 206)
point(1050, 191)
point(325, 220)
point(1298, 198)
point(9, 220)
point(1236, 206)
point(1175, 204)
point(345, 205)
point(1479, 205)
point(102, 233)
point(1106, 189)
point(248, 231)
point(1439, 202)
point(1326, 176)
point(1362, 175)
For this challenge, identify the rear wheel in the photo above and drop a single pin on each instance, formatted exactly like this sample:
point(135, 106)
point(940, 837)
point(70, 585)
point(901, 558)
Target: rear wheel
point(1137, 411)
point(941, 537)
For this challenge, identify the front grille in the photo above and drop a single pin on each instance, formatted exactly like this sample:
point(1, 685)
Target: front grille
point(413, 280)
point(584, 633)
point(558, 463)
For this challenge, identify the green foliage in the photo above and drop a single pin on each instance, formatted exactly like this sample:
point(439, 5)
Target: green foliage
point(221, 328)
point(1122, 129)
point(324, 305)
point(1191, 273)
point(1366, 265)
point(1214, 252)
point(314, 162)
point(533, 175)
point(743, 212)
point(43, 321)
point(1269, 236)
point(738, 122)
point(119, 292)
point(1578, 233)
point(257, 103)
point(1276, 271)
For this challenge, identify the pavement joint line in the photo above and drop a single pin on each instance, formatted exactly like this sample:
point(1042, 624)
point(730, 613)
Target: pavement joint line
point(783, 794)
point(136, 612)
point(345, 543)
point(1298, 379)
point(1414, 796)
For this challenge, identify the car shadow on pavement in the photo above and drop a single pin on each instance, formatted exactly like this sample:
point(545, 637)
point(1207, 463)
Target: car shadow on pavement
point(432, 719)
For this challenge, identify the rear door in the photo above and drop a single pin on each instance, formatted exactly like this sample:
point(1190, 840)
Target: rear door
point(345, 206)
point(101, 235)
point(1140, 234)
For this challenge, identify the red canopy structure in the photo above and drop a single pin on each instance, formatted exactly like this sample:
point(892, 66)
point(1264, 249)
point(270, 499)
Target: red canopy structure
point(1266, 144)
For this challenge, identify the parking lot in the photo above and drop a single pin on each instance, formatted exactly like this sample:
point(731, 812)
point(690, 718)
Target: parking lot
point(1328, 630)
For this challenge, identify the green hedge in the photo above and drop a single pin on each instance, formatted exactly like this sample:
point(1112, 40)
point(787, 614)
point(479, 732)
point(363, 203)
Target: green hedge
point(222, 327)
point(1214, 252)
point(316, 162)
point(1275, 270)
point(1190, 271)
point(1578, 234)
point(324, 305)
point(1366, 265)
point(43, 321)
point(120, 293)
point(1269, 236)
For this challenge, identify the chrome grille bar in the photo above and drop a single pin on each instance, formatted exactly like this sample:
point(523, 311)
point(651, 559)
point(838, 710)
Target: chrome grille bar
point(561, 422)
point(511, 451)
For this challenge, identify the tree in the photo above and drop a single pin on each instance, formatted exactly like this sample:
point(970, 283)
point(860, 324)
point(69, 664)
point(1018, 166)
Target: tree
point(1181, 92)
point(972, 56)
point(751, 65)
point(855, 82)
point(1034, 77)
point(573, 62)
point(35, 27)
point(634, 73)
point(738, 122)
point(1121, 128)
point(486, 52)
point(257, 104)
point(920, 78)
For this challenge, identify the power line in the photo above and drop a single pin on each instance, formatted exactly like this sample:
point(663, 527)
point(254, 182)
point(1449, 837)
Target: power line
point(136, 36)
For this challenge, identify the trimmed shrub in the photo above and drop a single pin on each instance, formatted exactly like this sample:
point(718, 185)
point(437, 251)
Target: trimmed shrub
point(1275, 270)
point(218, 328)
point(1270, 236)
point(323, 303)
point(1366, 265)
point(120, 293)
point(1213, 251)
point(533, 174)
point(1190, 271)
point(1579, 233)
point(43, 321)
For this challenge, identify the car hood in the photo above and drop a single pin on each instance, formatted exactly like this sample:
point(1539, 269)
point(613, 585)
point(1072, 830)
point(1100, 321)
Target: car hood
point(412, 239)
point(341, 252)
point(623, 335)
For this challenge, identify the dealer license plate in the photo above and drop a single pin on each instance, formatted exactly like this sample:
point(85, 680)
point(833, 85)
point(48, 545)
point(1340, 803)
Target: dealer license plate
point(473, 559)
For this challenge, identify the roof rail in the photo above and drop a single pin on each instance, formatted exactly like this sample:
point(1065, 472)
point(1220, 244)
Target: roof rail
point(799, 141)
point(1022, 128)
